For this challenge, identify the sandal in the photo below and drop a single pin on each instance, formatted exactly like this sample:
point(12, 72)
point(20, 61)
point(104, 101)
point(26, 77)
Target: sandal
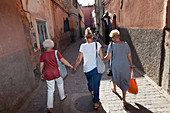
point(113, 90)
point(96, 106)
point(49, 110)
point(64, 98)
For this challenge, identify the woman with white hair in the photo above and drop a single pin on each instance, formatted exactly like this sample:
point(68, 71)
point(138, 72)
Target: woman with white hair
point(121, 63)
point(51, 72)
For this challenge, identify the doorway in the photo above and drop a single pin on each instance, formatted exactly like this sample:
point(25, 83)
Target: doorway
point(42, 32)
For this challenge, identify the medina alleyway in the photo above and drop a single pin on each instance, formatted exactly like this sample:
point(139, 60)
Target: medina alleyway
point(150, 99)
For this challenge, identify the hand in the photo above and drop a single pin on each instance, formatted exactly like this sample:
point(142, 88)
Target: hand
point(42, 77)
point(73, 69)
point(131, 68)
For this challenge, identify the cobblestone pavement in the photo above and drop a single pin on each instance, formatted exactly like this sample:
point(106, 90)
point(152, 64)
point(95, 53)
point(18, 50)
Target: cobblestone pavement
point(149, 99)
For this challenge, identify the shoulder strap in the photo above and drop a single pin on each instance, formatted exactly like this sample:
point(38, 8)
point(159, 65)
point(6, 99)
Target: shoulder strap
point(112, 54)
point(96, 49)
point(56, 56)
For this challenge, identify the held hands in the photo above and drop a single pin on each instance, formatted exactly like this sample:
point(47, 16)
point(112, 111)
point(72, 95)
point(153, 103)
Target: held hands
point(42, 77)
point(73, 69)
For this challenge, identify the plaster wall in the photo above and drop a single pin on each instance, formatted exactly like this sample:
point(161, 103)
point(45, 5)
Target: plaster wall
point(142, 24)
point(82, 20)
point(39, 10)
point(16, 76)
point(146, 49)
point(87, 11)
point(143, 14)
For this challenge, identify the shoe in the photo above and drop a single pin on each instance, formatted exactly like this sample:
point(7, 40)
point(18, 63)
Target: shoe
point(96, 106)
point(64, 98)
point(49, 111)
point(113, 90)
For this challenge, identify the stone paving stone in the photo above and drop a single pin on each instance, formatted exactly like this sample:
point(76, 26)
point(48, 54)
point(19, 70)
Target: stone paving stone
point(148, 97)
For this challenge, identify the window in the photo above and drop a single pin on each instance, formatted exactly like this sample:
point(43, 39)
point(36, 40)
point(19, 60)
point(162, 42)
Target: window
point(75, 3)
point(66, 25)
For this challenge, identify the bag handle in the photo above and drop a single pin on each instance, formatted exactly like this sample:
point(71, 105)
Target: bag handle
point(132, 74)
point(57, 58)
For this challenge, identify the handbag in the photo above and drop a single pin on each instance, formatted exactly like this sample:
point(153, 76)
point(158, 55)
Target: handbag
point(133, 87)
point(61, 67)
point(109, 71)
point(99, 63)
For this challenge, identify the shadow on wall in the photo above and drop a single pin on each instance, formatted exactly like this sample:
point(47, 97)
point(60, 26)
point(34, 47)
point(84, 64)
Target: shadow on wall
point(125, 36)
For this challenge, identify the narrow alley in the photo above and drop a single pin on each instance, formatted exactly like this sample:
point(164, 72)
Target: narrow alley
point(150, 99)
point(143, 26)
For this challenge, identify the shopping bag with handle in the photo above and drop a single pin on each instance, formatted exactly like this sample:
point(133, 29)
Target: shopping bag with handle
point(61, 67)
point(133, 87)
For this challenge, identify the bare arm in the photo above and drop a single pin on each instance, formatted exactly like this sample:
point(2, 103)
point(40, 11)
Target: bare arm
point(41, 69)
point(78, 60)
point(65, 62)
point(101, 54)
point(108, 56)
point(130, 60)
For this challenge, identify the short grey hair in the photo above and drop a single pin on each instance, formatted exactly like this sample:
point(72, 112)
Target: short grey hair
point(48, 44)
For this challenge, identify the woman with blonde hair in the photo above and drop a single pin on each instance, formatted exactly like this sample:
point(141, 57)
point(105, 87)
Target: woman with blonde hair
point(87, 51)
point(51, 72)
point(121, 63)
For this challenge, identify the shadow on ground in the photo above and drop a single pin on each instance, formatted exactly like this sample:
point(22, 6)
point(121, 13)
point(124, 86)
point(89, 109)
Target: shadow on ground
point(85, 104)
point(131, 109)
point(141, 109)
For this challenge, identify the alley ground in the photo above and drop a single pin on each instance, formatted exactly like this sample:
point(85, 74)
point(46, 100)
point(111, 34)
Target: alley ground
point(150, 99)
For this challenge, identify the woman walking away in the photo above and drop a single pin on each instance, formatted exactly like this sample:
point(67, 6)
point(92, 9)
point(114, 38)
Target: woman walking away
point(121, 63)
point(88, 52)
point(51, 72)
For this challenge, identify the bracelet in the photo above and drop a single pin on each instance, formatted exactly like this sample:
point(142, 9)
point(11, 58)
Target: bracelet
point(71, 66)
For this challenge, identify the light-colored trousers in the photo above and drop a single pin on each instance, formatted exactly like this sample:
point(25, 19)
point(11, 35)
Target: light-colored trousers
point(51, 89)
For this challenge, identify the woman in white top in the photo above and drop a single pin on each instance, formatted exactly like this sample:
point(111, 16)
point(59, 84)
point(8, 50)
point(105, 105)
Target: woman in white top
point(88, 53)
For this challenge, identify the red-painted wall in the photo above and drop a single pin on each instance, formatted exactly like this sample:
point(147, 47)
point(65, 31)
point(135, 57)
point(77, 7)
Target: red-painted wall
point(87, 11)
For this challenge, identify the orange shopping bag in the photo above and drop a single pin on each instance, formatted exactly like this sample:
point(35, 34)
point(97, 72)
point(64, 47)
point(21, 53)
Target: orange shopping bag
point(133, 87)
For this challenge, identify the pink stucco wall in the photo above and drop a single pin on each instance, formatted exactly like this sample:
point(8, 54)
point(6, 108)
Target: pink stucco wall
point(147, 14)
point(12, 34)
point(87, 11)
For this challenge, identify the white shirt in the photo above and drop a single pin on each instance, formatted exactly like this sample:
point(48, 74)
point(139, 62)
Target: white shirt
point(89, 55)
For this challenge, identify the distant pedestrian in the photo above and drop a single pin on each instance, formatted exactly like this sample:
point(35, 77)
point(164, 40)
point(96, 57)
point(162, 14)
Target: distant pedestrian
point(97, 36)
point(51, 73)
point(120, 55)
point(88, 53)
